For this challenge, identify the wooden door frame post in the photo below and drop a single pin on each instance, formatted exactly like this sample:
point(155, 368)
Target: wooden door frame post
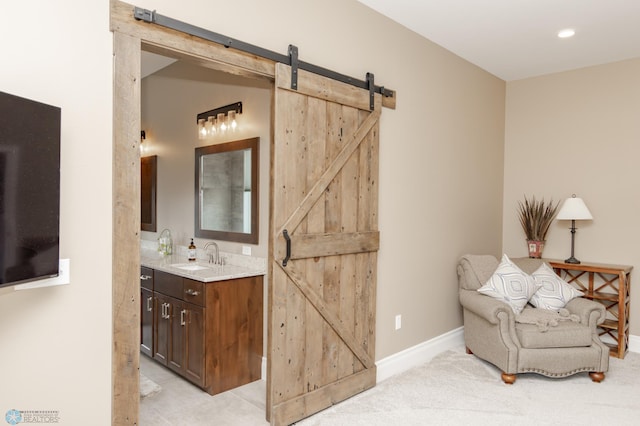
point(125, 362)
point(129, 36)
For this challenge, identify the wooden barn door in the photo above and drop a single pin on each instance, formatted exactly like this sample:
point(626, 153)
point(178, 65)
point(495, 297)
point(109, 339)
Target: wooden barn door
point(325, 196)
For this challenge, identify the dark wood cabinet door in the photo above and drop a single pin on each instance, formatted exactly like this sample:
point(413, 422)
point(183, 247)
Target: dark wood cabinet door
point(194, 344)
point(177, 323)
point(161, 332)
point(146, 321)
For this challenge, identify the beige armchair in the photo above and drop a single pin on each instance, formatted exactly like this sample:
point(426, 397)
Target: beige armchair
point(492, 333)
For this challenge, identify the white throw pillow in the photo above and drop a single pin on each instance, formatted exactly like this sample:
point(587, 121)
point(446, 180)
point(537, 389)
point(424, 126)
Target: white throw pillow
point(509, 284)
point(554, 292)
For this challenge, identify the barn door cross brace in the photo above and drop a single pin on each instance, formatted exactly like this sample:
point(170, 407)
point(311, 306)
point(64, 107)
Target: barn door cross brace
point(291, 59)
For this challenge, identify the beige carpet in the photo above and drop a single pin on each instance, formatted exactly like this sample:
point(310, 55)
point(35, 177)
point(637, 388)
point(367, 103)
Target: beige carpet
point(148, 387)
point(459, 389)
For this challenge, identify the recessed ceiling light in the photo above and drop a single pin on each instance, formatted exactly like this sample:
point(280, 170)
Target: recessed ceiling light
point(566, 33)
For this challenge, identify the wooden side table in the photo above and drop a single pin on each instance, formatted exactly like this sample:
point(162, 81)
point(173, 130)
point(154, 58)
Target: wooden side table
point(609, 285)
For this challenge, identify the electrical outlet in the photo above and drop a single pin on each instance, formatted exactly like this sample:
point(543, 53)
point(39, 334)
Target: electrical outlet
point(246, 250)
point(398, 322)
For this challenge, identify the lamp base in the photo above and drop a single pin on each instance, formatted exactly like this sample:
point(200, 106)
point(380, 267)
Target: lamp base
point(572, 260)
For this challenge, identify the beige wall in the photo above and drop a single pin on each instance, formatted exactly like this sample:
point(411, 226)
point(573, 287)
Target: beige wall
point(577, 132)
point(56, 342)
point(171, 99)
point(440, 179)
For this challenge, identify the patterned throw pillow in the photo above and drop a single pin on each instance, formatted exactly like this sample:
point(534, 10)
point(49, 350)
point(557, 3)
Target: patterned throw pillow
point(509, 284)
point(554, 292)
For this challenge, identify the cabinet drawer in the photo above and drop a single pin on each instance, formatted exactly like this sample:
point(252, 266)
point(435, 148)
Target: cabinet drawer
point(193, 292)
point(168, 284)
point(146, 278)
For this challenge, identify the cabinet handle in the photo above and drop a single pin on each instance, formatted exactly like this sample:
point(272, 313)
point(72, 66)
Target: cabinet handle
point(191, 292)
point(165, 310)
point(182, 312)
point(149, 307)
point(145, 277)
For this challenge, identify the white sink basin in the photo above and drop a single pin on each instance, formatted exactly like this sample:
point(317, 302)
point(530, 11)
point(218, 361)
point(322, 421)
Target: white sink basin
point(190, 266)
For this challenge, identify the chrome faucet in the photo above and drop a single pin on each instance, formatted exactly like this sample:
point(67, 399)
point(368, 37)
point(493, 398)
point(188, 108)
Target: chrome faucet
point(213, 259)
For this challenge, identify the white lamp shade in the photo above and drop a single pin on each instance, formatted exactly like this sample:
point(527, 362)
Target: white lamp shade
point(574, 209)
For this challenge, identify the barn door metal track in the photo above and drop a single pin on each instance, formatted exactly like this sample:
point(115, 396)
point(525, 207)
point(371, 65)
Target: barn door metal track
point(290, 59)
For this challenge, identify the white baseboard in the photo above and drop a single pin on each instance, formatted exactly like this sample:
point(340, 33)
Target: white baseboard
point(423, 352)
point(418, 354)
point(404, 360)
point(634, 343)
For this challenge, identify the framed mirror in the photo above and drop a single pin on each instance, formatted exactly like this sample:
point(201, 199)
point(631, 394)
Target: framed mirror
point(226, 191)
point(148, 180)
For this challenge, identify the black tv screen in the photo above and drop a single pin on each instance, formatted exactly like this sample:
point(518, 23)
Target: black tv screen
point(29, 190)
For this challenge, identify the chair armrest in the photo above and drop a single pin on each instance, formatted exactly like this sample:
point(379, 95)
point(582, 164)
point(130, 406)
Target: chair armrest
point(591, 313)
point(485, 307)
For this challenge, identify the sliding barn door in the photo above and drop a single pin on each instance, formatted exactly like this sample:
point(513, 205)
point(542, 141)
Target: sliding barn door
point(324, 201)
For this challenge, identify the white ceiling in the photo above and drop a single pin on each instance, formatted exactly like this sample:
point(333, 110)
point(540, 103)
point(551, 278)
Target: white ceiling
point(515, 39)
point(150, 63)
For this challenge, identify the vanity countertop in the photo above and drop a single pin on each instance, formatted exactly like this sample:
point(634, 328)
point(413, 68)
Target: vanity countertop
point(237, 266)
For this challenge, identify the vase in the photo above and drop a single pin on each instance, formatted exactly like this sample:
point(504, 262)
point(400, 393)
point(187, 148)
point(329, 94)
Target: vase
point(535, 248)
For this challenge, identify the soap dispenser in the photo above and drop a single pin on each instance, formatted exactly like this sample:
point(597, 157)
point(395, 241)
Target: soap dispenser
point(192, 252)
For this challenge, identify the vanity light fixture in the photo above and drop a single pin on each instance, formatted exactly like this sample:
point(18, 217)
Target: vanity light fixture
point(566, 33)
point(219, 120)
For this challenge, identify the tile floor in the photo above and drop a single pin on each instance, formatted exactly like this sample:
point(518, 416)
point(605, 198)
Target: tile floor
point(181, 403)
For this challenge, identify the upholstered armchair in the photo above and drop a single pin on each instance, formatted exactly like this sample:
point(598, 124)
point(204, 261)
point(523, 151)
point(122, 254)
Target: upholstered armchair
point(551, 347)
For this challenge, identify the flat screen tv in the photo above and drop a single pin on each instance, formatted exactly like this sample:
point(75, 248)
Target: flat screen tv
point(29, 190)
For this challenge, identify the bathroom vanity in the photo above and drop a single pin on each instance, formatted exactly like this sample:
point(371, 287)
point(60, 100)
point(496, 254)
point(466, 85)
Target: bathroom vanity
point(203, 321)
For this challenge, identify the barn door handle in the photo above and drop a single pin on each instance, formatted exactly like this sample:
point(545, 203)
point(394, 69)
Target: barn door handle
point(285, 233)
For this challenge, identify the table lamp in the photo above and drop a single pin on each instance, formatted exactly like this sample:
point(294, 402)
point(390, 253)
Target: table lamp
point(573, 209)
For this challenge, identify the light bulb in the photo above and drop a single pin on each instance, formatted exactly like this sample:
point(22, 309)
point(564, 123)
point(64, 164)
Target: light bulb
point(211, 126)
point(222, 122)
point(232, 120)
point(202, 130)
